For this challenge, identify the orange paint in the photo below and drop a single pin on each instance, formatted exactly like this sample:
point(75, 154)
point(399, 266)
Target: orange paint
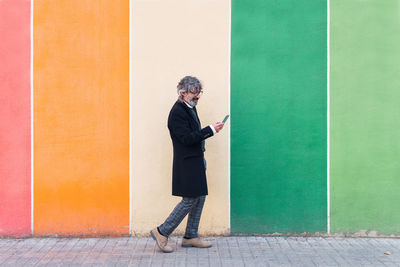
point(81, 117)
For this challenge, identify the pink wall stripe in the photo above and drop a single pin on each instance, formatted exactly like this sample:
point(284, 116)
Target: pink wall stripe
point(15, 131)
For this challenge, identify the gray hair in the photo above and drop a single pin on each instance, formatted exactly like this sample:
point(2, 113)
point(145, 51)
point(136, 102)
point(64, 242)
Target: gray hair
point(188, 84)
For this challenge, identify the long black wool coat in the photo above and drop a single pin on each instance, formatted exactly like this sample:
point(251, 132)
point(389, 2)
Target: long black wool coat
point(188, 170)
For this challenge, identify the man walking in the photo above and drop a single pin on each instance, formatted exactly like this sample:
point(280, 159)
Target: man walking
point(189, 166)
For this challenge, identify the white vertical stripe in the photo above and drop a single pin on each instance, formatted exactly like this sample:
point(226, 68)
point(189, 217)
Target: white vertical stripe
point(229, 108)
point(130, 116)
point(32, 117)
point(328, 122)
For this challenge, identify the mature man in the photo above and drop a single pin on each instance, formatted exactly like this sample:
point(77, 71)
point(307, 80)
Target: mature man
point(189, 166)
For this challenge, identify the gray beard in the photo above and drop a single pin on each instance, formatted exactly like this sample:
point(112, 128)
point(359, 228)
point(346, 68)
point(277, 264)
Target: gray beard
point(191, 102)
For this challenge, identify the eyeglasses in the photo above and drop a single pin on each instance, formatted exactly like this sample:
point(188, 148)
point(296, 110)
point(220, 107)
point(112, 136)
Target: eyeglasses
point(198, 93)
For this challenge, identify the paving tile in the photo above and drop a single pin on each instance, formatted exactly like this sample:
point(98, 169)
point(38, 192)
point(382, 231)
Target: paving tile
point(226, 251)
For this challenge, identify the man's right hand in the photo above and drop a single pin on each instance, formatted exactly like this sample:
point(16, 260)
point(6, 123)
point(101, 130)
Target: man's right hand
point(218, 126)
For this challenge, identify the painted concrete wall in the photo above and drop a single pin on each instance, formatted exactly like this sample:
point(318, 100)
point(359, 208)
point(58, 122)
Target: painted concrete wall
point(81, 115)
point(279, 133)
point(267, 59)
point(171, 39)
point(15, 112)
point(365, 54)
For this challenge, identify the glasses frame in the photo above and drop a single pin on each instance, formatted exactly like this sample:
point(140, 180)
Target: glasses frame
point(197, 94)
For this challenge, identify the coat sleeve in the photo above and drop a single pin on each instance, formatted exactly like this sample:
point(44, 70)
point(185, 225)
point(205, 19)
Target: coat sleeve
point(179, 126)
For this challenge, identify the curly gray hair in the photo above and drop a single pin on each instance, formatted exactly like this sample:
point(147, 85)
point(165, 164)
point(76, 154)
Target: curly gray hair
point(188, 84)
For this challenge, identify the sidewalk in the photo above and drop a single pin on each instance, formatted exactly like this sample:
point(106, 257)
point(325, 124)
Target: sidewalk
point(226, 251)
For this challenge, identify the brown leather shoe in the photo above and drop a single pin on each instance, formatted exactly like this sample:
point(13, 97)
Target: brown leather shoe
point(162, 241)
point(195, 242)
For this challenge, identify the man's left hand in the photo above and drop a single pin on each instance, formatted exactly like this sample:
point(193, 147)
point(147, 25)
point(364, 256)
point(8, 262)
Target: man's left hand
point(218, 126)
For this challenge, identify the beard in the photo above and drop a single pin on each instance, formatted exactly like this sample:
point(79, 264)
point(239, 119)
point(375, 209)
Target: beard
point(192, 102)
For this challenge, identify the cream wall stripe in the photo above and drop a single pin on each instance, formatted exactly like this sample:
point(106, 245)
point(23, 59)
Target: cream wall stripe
point(171, 39)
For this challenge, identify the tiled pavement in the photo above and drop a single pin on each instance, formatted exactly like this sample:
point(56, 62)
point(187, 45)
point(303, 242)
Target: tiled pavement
point(226, 251)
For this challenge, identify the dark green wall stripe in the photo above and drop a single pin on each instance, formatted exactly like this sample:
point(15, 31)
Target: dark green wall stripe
point(279, 125)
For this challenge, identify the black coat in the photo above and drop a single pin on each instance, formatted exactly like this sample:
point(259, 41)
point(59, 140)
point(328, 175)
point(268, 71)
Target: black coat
point(188, 170)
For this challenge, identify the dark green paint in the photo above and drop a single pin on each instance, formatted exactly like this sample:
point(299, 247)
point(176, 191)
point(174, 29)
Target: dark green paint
point(278, 108)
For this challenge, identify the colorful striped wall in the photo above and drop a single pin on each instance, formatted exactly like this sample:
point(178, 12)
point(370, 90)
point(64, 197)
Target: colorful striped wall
point(311, 87)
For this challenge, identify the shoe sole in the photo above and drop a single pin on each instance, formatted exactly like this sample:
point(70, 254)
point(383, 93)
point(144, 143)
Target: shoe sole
point(189, 246)
point(154, 238)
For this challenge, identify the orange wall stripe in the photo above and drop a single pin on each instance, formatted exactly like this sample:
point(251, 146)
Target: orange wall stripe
point(81, 117)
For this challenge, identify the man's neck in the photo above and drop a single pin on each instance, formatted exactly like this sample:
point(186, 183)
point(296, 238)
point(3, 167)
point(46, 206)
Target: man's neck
point(187, 104)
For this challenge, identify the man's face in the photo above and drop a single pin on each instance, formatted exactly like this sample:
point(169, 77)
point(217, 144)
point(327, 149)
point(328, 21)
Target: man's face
point(192, 99)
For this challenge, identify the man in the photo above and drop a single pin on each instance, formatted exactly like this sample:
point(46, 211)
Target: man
point(189, 166)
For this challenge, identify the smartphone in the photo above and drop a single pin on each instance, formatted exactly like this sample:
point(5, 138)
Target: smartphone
point(225, 119)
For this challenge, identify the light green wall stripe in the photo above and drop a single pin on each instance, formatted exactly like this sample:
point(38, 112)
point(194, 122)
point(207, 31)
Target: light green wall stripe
point(365, 133)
